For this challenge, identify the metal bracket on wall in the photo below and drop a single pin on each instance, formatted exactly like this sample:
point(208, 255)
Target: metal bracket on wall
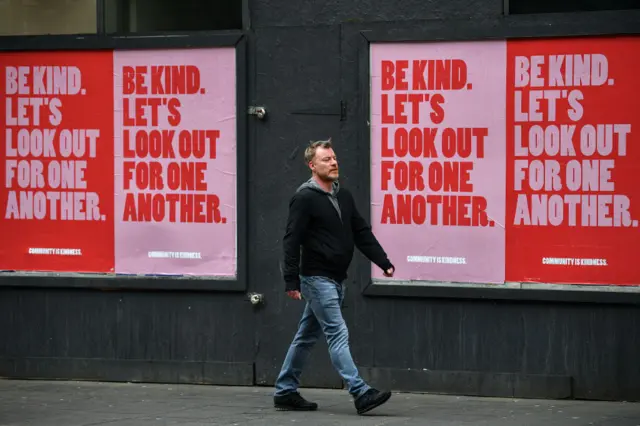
point(342, 112)
point(258, 111)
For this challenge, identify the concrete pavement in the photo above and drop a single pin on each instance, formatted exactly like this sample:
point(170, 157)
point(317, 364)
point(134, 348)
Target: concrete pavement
point(58, 403)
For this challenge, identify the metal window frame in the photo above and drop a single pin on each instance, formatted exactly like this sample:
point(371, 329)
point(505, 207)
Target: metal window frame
point(214, 39)
point(357, 51)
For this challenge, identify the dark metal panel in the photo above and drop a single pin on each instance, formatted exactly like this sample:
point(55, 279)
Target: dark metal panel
point(553, 6)
point(450, 291)
point(50, 323)
point(609, 23)
point(284, 13)
point(184, 326)
point(104, 282)
point(297, 69)
point(159, 40)
point(100, 16)
point(113, 370)
point(76, 330)
point(246, 15)
point(595, 346)
point(242, 175)
point(471, 383)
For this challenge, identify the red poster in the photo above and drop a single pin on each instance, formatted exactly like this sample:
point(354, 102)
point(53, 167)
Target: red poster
point(573, 150)
point(57, 162)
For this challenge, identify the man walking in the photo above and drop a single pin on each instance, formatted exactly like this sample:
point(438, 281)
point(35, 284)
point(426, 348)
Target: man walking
point(325, 223)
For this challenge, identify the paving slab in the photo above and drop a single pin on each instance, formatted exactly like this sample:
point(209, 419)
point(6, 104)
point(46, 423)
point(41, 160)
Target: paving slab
point(73, 403)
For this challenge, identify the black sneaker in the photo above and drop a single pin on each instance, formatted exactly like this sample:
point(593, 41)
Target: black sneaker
point(293, 402)
point(371, 399)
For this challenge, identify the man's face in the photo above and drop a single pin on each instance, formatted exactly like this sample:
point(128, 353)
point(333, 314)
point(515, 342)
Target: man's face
point(325, 164)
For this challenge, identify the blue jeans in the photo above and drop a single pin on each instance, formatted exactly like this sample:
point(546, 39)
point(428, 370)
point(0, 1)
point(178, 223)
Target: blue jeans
point(322, 315)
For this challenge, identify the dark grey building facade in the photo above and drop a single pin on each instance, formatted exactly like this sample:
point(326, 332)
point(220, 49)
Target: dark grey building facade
point(307, 64)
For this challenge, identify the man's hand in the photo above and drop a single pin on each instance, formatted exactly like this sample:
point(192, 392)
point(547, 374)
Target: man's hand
point(295, 295)
point(389, 272)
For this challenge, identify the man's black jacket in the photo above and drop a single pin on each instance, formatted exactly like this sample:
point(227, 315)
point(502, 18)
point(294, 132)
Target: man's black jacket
point(326, 226)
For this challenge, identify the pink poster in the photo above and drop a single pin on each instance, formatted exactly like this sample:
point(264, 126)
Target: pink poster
point(175, 162)
point(438, 157)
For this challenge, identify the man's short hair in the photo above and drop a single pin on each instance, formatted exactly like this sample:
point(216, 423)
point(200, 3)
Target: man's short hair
point(310, 152)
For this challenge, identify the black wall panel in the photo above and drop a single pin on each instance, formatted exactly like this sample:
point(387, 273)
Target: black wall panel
point(304, 66)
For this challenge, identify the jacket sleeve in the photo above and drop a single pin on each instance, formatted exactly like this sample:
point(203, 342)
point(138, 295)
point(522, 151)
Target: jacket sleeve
point(296, 227)
point(366, 242)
